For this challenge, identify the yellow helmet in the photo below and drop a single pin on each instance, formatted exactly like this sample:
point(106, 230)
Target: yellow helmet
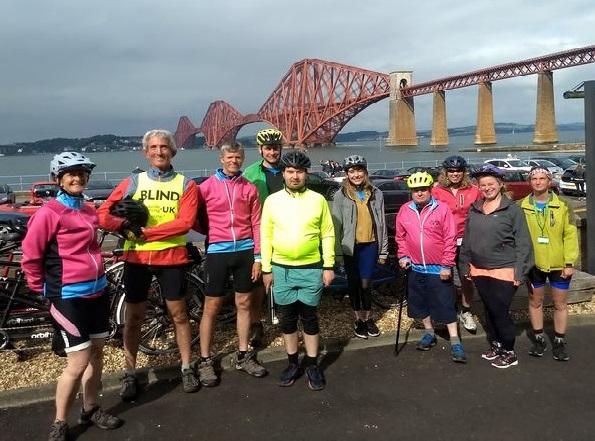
point(269, 137)
point(419, 180)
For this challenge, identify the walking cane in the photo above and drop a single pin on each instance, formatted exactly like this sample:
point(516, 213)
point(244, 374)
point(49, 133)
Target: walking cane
point(272, 317)
point(404, 295)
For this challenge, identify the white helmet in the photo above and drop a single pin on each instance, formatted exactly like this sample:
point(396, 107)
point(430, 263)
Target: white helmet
point(66, 161)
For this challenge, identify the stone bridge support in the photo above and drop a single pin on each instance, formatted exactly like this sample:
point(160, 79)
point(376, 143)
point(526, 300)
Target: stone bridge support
point(485, 132)
point(401, 112)
point(439, 127)
point(545, 121)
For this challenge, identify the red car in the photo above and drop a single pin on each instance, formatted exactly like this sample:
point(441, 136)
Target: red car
point(517, 183)
point(40, 193)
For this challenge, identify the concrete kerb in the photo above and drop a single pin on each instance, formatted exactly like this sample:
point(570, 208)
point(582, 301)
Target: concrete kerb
point(149, 376)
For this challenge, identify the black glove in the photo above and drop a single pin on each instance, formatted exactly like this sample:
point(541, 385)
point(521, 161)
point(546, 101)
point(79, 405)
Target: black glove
point(131, 231)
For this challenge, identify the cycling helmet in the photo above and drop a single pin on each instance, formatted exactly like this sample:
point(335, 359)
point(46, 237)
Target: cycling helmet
point(67, 161)
point(454, 162)
point(420, 180)
point(353, 161)
point(269, 137)
point(132, 210)
point(488, 170)
point(295, 159)
point(540, 169)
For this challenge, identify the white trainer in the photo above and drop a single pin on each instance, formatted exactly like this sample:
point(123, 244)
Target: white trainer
point(467, 321)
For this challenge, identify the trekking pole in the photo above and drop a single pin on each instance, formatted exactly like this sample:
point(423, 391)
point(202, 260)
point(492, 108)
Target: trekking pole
point(404, 295)
point(271, 301)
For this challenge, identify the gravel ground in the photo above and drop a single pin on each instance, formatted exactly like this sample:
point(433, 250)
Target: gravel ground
point(35, 367)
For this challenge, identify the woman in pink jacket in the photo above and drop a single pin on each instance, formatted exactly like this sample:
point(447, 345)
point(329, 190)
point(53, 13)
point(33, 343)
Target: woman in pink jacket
point(426, 245)
point(62, 260)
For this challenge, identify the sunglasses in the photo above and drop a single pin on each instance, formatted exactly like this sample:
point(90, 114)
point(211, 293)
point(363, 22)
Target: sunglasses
point(455, 170)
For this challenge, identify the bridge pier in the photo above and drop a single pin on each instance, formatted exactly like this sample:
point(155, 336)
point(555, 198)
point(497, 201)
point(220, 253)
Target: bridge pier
point(439, 127)
point(401, 110)
point(545, 120)
point(485, 133)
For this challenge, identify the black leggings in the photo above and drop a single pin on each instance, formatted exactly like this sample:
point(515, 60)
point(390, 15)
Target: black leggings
point(497, 296)
point(360, 292)
point(289, 315)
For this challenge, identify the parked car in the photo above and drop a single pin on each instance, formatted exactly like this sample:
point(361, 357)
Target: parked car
point(98, 190)
point(517, 183)
point(561, 161)
point(568, 182)
point(514, 164)
point(555, 170)
point(42, 192)
point(579, 159)
point(387, 173)
point(7, 196)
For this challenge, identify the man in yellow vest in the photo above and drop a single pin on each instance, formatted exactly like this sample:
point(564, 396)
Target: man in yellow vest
point(155, 249)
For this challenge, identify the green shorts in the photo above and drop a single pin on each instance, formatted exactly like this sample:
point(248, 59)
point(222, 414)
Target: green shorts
point(293, 284)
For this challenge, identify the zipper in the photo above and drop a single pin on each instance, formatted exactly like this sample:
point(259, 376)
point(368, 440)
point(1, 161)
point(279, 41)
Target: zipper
point(231, 200)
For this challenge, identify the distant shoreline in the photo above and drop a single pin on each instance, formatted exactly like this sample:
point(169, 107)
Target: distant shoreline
point(549, 148)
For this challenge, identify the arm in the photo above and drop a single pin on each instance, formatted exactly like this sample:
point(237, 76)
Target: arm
point(449, 229)
point(465, 252)
point(255, 215)
point(266, 238)
point(106, 220)
point(523, 245)
point(41, 229)
point(183, 222)
point(337, 216)
point(327, 237)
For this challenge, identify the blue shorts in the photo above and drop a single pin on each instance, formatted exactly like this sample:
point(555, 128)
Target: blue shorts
point(430, 296)
point(363, 260)
point(293, 284)
point(538, 279)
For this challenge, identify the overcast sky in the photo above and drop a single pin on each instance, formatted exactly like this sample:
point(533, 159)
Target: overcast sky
point(79, 68)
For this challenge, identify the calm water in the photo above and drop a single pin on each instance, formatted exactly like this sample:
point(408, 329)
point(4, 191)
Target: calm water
point(22, 170)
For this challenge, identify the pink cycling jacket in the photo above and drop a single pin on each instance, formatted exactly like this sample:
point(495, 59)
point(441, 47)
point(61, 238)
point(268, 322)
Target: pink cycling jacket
point(459, 204)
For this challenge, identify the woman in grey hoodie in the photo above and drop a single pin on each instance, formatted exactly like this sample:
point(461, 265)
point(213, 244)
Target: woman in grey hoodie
point(360, 238)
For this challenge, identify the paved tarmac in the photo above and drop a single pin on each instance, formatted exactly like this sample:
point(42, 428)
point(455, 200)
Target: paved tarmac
point(371, 394)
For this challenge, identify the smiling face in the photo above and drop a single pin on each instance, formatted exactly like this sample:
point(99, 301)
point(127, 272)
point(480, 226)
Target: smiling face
point(232, 162)
point(490, 187)
point(455, 176)
point(271, 155)
point(74, 181)
point(295, 178)
point(158, 153)
point(357, 175)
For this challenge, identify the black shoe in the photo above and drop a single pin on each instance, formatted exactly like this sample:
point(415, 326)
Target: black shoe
point(360, 329)
point(100, 418)
point(373, 330)
point(539, 347)
point(559, 350)
point(129, 389)
point(257, 335)
point(190, 383)
point(58, 431)
point(315, 378)
point(289, 375)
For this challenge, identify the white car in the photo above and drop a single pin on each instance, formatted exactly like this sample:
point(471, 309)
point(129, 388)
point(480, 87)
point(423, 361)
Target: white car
point(512, 164)
point(555, 170)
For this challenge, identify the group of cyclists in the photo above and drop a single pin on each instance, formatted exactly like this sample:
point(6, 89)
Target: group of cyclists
point(272, 234)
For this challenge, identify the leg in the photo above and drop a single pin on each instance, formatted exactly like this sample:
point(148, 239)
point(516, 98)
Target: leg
point(536, 307)
point(134, 316)
point(243, 302)
point(70, 380)
point(560, 297)
point(211, 308)
point(92, 376)
point(179, 315)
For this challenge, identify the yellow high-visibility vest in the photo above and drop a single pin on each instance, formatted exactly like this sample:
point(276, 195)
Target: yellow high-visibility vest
point(162, 199)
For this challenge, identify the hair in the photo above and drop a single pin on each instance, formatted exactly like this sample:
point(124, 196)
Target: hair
point(349, 188)
point(445, 182)
point(236, 147)
point(161, 133)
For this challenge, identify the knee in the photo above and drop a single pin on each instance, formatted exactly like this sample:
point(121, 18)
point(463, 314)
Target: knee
point(288, 325)
point(535, 300)
point(310, 325)
point(560, 305)
point(134, 315)
point(243, 302)
point(211, 306)
point(179, 316)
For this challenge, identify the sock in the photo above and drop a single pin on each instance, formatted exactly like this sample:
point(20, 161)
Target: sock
point(204, 359)
point(292, 358)
point(455, 340)
point(558, 337)
point(538, 333)
point(241, 355)
point(185, 366)
point(309, 361)
point(465, 308)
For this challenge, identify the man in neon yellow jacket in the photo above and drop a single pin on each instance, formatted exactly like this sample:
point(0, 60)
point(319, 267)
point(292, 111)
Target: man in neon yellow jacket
point(296, 224)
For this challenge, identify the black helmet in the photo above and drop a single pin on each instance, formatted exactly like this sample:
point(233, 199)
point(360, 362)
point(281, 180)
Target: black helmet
point(454, 162)
point(354, 161)
point(295, 159)
point(133, 211)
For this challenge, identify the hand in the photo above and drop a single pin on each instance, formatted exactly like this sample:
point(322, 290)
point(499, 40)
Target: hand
point(404, 262)
point(327, 277)
point(518, 282)
point(567, 272)
point(267, 281)
point(256, 271)
point(381, 260)
point(445, 273)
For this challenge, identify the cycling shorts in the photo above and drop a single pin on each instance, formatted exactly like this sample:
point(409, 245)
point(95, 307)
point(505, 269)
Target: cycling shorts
point(219, 266)
point(539, 278)
point(137, 281)
point(80, 319)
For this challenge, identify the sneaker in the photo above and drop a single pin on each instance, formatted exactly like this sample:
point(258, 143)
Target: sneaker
point(58, 431)
point(129, 389)
point(505, 360)
point(467, 321)
point(190, 383)
point(426, 342)
point(360, 329)
point(249, 365)
point(492, 353)
point(559, 350)
point(100, 418)
point(315, 377)
point(373, 330)
point(206, 373)
point(538, 348)
point(289, 375)
point(457, 353)
point(257, 334)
